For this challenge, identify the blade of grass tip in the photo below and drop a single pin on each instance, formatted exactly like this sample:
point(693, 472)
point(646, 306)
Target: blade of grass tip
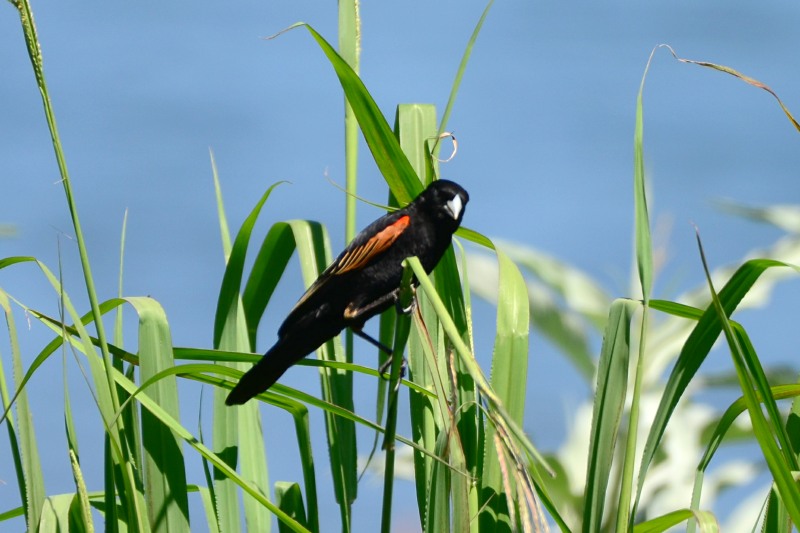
point(383, 145)
point(164, 468)
point(401, 335)
point(34, 52)
point(609, 405)
point(462, 67)
point(23, 438)
point(118, 319)
point(644, 263)
point(414, 123)
point(32, 43)
point(744, 78)
point(268, 268)
point(781, 472)
point(225, 234)
point(229, 293)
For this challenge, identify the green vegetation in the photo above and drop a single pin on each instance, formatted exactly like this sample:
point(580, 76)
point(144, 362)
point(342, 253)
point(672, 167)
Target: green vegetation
point(475, 469)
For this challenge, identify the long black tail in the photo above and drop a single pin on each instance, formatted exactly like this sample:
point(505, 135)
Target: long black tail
point(264, 374)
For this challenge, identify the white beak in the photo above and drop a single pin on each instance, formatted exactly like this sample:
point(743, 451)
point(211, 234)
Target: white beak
point(454, 207)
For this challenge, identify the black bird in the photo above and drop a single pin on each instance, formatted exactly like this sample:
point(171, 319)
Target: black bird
point(362, 282)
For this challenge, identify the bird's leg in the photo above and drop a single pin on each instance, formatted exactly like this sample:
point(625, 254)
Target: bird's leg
point(386, 367)
point(376, 343)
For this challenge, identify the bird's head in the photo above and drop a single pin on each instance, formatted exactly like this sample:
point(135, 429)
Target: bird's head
point(445, 201)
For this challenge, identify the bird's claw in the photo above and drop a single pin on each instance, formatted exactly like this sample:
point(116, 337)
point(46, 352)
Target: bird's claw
point(385, 369)
point(410, 309)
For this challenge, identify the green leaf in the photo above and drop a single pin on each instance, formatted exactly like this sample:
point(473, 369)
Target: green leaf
point(165, 474)
point(609, 404)
point(708, 523)
point(22, 435)
point(290, 500)
point(509, 378)
point(391, 161)
point(695, 351)
point(779, 457)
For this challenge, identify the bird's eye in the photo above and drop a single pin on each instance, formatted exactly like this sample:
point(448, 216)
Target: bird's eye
point(454, 207)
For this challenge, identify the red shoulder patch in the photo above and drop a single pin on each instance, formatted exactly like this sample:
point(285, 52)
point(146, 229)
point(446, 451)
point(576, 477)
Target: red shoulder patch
point(358, 258)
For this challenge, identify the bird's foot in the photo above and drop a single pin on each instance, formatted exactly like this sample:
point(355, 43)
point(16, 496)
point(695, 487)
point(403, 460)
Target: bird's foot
point(385, 369)
point(413, 305)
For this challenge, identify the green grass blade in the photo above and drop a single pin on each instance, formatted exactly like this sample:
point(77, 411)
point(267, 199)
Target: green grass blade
point(513, 438)
point(118, 319)
point(509, 379)
point(414, 123)
point(644, 263)
point(225, 234)
point(219, 463)
point(609, 405)
point(568, 325)
point(462, 66)
point(270, 263)
point(55, 514)
point(232, 279)
point(724, 424)
point(80, 510)
point(313, 250)
point(708, 523)
point(695, 350)
point(237, 433)
point(781, 465)
point(164, 471)
point(23, 437)
point(311, 242)
point(208, 507)
point(34, 52)
point(289, 498)
point(117, 432)
point(643, 240)
point(391, 161)
point(350, 51)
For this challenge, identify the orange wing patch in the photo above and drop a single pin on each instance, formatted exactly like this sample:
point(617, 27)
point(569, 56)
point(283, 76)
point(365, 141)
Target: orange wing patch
point(359, 257)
